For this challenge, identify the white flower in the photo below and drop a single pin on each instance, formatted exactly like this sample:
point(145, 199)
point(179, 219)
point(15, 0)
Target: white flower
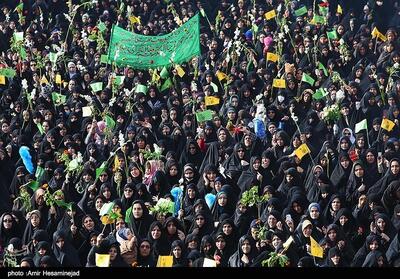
point(127, 92)
point(286, 29)
point(87, 98)
point(24, 84)
point(129, 10)
point(280, 36)
point(112, 101)
point(199, 130)
point(193, 86)
point(11, 105)
point(121, 139)
point(237, 33)
point(94, 2)
point(229, 45)
point(259, 97)
point(112, 154)
point(33, 93)
point(396, 65)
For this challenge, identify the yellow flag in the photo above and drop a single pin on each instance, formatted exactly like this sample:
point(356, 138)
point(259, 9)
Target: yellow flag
point(302, 150)
point(58, 79)
point(102, 260)
point(180, 70)
point(44, 80)
point(387, 124)
point(339, 9)
point(376, 34)
point(2, 80)
point(106, 220)
point(272, 56)
point(279, 83)
point(221, 76)
point(134, 19)
point(211, 100)
point(270, 14)
point(316, 249)
point(116, 163)
point(165, 261)
point(155, 76)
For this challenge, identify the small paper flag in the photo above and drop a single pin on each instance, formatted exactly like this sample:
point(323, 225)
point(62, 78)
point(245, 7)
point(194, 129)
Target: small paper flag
point(279, 83)
point(272, 57)
point(308, 79)
point(214, 87)
point(86, 111)
point(97, 86)
point(362, 125)
point(58, 79)
point(209, 263)
point(104, 59)
point(301, 151)
point(204, 115)
point(316, 249)
point(141, 88)
point(180, 70)
point(19, 36)
point(102, 260)
point(211, 100)
point(270, 14)
point(44, 80)
point(2, 80)
point(387, 124)
point(301, 11)
point(164, 73)
point(165, 261)
point(221, 76)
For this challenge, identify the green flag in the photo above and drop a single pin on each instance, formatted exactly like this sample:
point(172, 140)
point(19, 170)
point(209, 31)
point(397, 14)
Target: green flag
point(167, 84)
point(104, 59)
point(110, 122)
point(40, 128)
point(308, 79)
point(100, 169)
point(58, 99)
point(204, 115)
point(362, 125)
point(102, 27)
point(19, 36)
point(144, 52)
point(301, 11)
point(318, 19)
point(323, 10)
point(119, 80)
point(7, 72)
point(164, 73)
point(332, 35)
point(63, 204)
point(34, 185)
point(202, 12)
point(322, 67)
point(254, 27)
point(39, 172)
point(128, 214)
point(97, 86)
point(320, 93)
point(19, 8)
point(141, 88)
point(53, 57)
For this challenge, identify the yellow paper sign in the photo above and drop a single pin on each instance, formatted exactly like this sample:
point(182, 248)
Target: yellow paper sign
point(272, 57)
point(44, 80)
point(2, 80)
point(387, 124)
point(165, 261)
point(211, 100)
point(302, 150)
point(180, 70)
point(58, 79)
point(279, 83)
point(316, 249)
point(102, 260)
point(270, 14)
point(221, 75)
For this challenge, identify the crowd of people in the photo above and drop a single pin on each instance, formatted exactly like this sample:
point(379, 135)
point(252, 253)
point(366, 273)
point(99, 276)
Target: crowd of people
point(297, 165)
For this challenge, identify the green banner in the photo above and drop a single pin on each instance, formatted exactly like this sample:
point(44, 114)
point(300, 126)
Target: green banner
point(144, 52)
